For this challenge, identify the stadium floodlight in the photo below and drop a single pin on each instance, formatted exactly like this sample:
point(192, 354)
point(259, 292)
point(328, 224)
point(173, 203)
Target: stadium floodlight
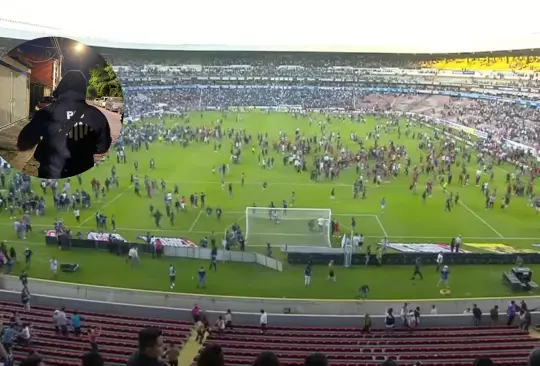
point(288, 226)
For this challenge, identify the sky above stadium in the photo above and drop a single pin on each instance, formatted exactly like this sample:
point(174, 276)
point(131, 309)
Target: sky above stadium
point(445, 27)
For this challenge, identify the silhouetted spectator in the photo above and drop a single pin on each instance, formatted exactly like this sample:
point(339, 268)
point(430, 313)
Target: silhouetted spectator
point(150, 349)
point(477, 315)
point(494, 315)
point(211, 355)
point(534, 357)
point(316, 359)
point(68, 132)
point(525, 322)
point(92, 359)
point(32, 360)
point(266, 358)
point(483, 362)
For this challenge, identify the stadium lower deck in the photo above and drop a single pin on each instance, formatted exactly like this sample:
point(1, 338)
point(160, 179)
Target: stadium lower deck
point(344, 346)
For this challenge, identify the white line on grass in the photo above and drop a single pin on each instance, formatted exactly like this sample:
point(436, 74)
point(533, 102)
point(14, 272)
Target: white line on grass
point(481, 219)
point(381, 225)
point(114, 199)
point(195, 221)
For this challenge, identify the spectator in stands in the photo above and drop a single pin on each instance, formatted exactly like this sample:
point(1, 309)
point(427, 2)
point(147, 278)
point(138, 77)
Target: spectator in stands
point(534, 357)
point(171, 354)
point(389, 362)
point(525, 317)
point(76, 323)
point(389, 320)
point(211, 355)
point(266, 358)
point(494, 315)
point(403, 314)
point(24, 336)
point(367, 324)
point(6, 357)
point(263, 321)
point(511, 312)
point(150, 349)
point(228, 320)
point(93, 338)
point(200, 332)
point(316, 359)
point(60, 322)
point(92, 359)
point(8, 336)
point(483, 362)
point(196, 313)
point(477, 314)
point(220, 325)
point(25, 299)
point(32, 360)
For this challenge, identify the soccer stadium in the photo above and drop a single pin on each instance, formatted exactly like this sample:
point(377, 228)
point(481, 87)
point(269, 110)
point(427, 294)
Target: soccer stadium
point(287, 208)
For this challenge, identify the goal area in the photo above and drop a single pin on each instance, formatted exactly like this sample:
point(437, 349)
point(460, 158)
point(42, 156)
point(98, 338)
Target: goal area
point(288, 226)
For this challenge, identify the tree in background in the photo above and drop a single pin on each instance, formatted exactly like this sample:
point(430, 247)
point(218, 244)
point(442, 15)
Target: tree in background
point(103, 83)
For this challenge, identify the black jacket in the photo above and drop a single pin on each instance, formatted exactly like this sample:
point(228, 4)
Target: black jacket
point(139, 359)
point(63, 155)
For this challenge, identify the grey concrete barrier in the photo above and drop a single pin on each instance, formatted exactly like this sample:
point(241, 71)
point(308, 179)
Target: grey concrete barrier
point(246, 310)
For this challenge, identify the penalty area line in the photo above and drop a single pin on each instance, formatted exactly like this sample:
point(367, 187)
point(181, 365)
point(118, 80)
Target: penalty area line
point(381, 225)
point(115, 198)
point(195, 221)
point(481, 220)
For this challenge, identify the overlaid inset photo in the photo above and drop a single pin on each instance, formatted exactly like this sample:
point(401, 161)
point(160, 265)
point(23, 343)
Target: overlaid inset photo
point(61, 107)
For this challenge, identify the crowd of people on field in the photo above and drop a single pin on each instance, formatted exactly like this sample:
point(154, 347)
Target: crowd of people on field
point(498, 120)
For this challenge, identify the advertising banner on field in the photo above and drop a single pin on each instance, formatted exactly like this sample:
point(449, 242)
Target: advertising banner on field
point(422, 248)
point(103, 236)
point(170, 242)
point(499, 248)
point(90, 236)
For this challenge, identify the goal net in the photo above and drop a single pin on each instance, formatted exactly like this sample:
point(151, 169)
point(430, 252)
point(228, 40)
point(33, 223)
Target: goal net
point(291, 226)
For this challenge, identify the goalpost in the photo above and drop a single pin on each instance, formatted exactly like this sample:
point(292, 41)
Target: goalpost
point(290, 226)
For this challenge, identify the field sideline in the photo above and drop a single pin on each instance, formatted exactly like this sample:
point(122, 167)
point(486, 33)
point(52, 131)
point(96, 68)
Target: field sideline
point(405, 219)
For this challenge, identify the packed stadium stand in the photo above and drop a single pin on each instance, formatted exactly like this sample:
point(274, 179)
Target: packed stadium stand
point(531, 63)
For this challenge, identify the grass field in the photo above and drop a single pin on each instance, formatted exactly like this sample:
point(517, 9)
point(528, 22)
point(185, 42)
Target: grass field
point(406, 219)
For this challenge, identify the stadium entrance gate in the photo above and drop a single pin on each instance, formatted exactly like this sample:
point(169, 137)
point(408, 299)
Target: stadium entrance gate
point(14, 92)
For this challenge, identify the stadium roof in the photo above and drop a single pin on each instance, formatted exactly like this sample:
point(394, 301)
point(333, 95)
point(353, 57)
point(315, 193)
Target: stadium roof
point(393, 26)
point(531, 42)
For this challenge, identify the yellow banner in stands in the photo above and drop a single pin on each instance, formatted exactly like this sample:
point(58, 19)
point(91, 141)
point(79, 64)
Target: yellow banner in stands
point(469, 130)
point(499, 248)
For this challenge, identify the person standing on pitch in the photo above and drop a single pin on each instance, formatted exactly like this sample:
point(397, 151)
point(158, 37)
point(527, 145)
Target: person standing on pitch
point(439, 261)
point(417, 270)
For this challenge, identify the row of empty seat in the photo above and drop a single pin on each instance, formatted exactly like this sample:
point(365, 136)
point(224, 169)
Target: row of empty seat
point(117, 340)
point(437, 346)
point(344, 346)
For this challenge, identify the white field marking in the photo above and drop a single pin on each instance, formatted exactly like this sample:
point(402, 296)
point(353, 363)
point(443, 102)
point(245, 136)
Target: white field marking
point(381, 225)
point(114, 199)
point(195, 221)
point(481, 220)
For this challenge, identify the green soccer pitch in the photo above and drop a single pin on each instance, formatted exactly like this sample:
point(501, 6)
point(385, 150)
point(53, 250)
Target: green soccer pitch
point(406, 220)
